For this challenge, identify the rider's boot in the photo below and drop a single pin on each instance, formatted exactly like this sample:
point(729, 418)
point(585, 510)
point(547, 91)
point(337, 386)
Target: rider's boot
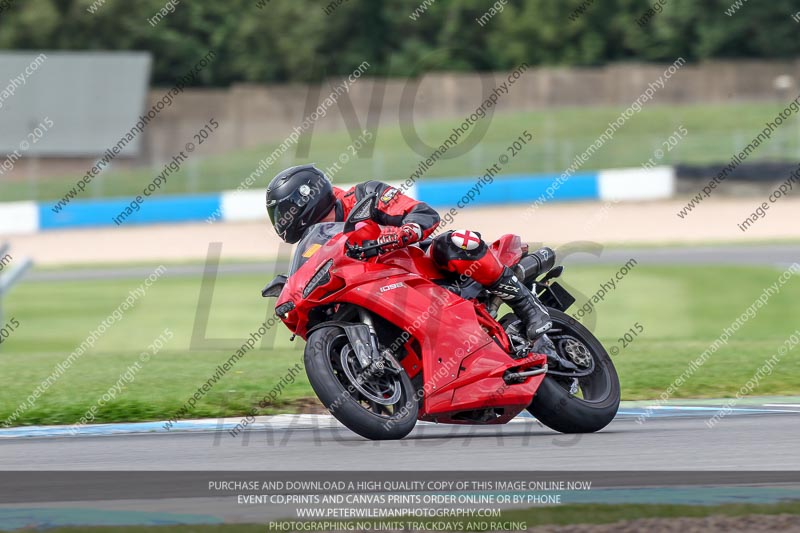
point(527, 307)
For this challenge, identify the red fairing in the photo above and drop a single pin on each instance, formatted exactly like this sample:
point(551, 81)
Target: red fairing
point(413, 259)
point(508, 249)
point(461, 351)
point(485, 270)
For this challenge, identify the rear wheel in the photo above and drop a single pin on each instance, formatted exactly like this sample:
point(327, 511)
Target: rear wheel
point(378, 403)
point(577, 405)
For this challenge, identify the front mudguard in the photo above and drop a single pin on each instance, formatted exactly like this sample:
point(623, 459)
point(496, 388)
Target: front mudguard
point(360, 339)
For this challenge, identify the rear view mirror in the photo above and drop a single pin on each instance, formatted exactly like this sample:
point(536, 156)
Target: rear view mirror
point(362, 211)
point(274, 288)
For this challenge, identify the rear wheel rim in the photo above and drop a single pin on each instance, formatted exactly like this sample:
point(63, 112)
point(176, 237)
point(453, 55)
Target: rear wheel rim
point(593, 388)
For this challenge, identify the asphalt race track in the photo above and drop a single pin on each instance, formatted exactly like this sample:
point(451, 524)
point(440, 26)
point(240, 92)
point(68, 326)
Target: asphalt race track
point(161, 477)
point(673, 438)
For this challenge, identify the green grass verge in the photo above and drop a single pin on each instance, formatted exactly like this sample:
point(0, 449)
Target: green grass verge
point(682, 311)
point(555, 515)
point(715, 133)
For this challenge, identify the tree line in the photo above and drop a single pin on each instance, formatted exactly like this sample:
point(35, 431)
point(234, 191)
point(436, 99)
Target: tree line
point(277, 41)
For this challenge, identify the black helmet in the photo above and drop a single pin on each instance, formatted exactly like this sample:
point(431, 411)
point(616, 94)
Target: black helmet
point(297, 198)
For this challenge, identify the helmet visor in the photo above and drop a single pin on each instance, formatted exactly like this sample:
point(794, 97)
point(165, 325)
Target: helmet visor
point(289, 211)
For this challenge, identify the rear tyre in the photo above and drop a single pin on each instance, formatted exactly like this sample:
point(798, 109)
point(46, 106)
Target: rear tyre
point(577, 405)
point(376, 405)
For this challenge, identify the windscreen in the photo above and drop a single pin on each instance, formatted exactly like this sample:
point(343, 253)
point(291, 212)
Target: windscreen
point(316, 236)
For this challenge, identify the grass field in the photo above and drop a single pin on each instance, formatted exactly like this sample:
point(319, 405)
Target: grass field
point(681, 310)
point(539, 516)
point(715, 133)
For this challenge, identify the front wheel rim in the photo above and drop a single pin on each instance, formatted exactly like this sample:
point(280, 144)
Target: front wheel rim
point(382, 390)
point(379, 395)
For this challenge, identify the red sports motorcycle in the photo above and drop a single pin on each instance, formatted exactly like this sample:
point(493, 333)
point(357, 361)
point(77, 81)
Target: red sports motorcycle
point(392, 339)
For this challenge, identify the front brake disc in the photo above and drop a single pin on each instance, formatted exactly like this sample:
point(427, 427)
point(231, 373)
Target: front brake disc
point(383, 390)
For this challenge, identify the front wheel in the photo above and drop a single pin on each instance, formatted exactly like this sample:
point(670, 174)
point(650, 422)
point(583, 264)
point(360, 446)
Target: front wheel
point(577, 405)
point(378, 403)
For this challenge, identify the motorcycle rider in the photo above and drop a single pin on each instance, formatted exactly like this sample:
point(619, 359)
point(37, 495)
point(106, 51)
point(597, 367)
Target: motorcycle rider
point(302, 196)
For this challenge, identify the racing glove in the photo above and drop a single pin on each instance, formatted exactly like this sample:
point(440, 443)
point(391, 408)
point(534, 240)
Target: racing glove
point(394, 238)
point(390, 239)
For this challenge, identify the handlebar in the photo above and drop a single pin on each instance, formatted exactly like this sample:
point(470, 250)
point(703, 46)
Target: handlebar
point(363, 252)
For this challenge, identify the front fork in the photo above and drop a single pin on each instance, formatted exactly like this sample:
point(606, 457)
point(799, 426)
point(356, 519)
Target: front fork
point(373, 358)
point(366, 359)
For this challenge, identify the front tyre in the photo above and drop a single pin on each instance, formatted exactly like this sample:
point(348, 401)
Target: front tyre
point(378, 405)
point(577, 405)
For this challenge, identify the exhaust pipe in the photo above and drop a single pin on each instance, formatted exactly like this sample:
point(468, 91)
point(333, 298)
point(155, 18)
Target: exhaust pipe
point(535, 264)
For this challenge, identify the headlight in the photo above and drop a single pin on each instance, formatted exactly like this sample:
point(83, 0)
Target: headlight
point(283, 309)
point(321, 277)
